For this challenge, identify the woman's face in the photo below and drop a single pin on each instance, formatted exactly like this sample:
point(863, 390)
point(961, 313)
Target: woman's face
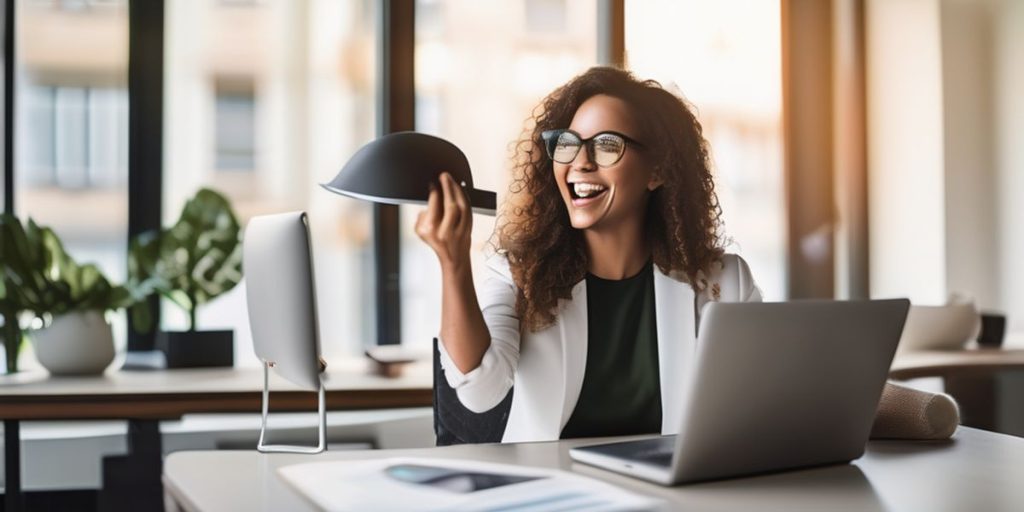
point(600, 198)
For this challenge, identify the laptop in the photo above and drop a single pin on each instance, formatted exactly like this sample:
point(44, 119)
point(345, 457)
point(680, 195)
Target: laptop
point(771, 387)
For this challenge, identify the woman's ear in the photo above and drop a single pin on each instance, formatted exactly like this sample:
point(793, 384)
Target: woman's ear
point(655, 180)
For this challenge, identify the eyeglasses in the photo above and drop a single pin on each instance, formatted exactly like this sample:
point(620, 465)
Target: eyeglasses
point(604, 149)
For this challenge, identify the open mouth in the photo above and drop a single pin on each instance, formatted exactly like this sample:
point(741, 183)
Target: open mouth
point(586, 191)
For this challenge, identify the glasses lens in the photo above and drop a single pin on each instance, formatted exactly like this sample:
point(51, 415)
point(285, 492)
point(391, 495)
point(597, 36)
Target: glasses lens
point(565, 148)
point(608, 148)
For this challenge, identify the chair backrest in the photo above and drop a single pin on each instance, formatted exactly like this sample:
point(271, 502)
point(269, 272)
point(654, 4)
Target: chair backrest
point(455, 424)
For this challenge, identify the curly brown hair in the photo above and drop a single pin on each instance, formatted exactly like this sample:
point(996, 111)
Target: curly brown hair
point(547, 255)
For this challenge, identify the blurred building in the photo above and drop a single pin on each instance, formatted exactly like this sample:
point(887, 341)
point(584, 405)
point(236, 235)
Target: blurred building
point(263, 100)
point(266, 98)
point(72, 124)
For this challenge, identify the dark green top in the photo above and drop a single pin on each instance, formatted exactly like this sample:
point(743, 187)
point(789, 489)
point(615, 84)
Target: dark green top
point(621, 394)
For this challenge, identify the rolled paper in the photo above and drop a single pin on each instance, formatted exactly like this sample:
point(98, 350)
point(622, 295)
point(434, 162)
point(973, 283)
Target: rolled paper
point(907, 413)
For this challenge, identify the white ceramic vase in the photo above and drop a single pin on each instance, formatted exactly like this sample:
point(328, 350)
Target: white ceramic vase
point(78, 343)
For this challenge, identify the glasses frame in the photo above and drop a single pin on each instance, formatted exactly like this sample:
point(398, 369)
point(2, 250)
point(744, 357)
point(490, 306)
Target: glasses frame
point(550, 138)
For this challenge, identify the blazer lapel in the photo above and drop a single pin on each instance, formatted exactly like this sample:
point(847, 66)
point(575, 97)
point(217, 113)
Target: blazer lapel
point(677, 342)
point(574, 333)
point(550, 374)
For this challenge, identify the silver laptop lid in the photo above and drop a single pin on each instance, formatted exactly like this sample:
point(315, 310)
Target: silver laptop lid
point(278, 263)
point(784, 385)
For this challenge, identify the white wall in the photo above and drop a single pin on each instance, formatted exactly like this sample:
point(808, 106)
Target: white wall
point(946, 165)
point(905, 157)
point(1009, 114)
point(970, 171)
point(983, 76)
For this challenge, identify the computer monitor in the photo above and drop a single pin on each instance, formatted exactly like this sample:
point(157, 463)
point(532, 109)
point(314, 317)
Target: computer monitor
point(278, 263)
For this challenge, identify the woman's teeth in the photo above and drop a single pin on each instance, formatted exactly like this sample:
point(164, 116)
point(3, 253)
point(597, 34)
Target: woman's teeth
point(584, 190)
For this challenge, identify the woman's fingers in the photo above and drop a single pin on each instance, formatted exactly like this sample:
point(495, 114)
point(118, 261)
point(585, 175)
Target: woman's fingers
point(426, 221)
point(465, 214)
point(435, 207)
point(451, 210)
point(446, 223)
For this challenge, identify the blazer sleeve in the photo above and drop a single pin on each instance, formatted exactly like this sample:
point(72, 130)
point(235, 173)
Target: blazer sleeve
point(485, 386)
point(735, 281)
point(748, 289)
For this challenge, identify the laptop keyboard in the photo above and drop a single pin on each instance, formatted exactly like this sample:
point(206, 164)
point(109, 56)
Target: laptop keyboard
point(652, 452)
point(657, 457)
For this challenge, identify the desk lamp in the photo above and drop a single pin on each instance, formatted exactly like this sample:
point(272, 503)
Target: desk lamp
point(398, 169)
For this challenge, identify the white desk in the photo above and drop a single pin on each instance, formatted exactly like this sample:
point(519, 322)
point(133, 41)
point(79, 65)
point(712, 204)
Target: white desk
point(946, 363)
point(978, 470)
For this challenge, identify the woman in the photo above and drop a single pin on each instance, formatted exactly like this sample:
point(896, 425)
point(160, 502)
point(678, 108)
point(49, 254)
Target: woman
point(607, 249)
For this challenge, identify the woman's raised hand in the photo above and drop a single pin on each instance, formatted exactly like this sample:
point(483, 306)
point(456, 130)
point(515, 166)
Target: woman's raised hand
point(447, 223)
point(445, 226)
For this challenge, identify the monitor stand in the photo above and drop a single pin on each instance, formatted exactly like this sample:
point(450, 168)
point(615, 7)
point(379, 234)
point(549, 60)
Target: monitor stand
point(283, 448)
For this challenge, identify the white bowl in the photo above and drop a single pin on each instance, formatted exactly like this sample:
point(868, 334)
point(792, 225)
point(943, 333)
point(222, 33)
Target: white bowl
point(947, 327)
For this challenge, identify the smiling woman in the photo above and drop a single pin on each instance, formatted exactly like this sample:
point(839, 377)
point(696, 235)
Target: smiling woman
point(607, 248)
point(660, 201)
point(603, 188)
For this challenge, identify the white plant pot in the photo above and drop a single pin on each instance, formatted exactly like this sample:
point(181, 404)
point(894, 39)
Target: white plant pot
point(78, 343)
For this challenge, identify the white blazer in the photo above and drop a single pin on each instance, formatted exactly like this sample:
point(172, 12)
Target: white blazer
point(546, 367)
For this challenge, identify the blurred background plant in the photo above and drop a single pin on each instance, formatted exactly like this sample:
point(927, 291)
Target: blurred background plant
point(191, 263)
point(41, 281)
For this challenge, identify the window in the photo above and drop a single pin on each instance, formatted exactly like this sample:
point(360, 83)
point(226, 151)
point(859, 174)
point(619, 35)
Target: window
point(76, 137)
point(71, 141)
point(265, 99)
point(481, 68)
point(108, 137)
point(72, 126)
point(38, 151)
point(725, 58)
point(235, 114)
point(284, 91)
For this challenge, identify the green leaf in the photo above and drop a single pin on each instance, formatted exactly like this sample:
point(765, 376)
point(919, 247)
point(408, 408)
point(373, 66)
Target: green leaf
point(40, 277)
point(192, 262)
point(142, 318)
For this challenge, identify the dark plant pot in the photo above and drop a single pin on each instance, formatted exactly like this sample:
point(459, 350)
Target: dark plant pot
point(197, 349)
point(993, 329)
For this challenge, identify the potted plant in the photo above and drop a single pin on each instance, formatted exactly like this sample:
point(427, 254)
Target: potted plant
point(191, 263)
point(21, 263)
point(41, 280)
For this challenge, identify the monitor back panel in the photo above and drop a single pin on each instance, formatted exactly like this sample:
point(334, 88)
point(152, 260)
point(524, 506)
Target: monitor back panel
point(278, 265)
